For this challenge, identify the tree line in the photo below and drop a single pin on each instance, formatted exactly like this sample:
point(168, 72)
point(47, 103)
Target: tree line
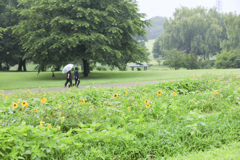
point(194, 35)
point(52, 33)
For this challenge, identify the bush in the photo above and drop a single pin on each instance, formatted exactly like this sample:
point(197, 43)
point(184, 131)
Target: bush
point(91, 67)
point(138, 68)
point(207, 66)
point(165, 63)
point(101, 68)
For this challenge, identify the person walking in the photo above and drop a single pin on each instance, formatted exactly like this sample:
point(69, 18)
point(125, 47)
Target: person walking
point(76, 77)
point(69, 79)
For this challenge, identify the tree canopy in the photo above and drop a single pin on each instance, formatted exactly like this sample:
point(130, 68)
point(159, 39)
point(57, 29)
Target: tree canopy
point(54, 32)
point(195, 30)
point(157, 27)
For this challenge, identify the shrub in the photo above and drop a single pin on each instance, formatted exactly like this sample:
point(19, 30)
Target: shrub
point(101, 68)
point(138, 68)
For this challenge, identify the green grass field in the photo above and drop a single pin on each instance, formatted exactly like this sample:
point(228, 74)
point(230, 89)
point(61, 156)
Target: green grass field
point(193, 119)
point(27, 80)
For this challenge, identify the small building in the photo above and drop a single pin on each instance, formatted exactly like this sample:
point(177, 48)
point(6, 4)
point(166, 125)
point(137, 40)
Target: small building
point(139, 65)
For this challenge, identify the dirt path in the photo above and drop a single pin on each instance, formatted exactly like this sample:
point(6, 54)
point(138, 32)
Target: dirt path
point(113, 85)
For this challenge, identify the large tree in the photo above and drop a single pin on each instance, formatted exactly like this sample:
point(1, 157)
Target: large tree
point(195, 30)
point(157, 27)
point(232, 23)
point(10, 51)
point(55, 32)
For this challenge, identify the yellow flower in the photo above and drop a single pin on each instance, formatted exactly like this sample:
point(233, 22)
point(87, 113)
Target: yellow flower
point(39, 87)
point(199, 91)
point(82, 101)
point(41, 123)
point(24, 103)
point(128, 108)
point(92, 107)
point(15, 105)
point(25, 91)
point(230, 79)
point(148, 106)
point(107, 103)
point(146, 102)
point(63, 117)
point(59, 106)
point(6, 97)
point(49, 126)
point(31, 99)
point(217, 91)
point(35, 110)
point(61, 121)
point(115, 95)
point(69, 101)
point(9, 93)
point(59, 127)
point(175, 94)
point(191, 101)
point(214, 92)
point(43, 100)
point(101, 116)
point(1, 90)
point(159, 93)
point(214, 80)
point(238, 87)
point(126, 92)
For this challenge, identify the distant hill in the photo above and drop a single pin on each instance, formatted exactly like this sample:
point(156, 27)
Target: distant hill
point(157, 28)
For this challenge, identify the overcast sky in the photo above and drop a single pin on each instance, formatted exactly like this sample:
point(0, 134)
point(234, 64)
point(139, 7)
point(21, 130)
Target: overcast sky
point(165, 8)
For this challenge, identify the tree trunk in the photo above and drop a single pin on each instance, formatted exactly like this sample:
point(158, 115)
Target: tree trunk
point(86, 70)
point(24, 66)
point(1, 66)
point(20, 64)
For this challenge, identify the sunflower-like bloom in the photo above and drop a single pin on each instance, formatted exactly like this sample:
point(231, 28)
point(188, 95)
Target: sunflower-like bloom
point(159, 93)
point(15, 105)
point(24, 103)
point(148, 106)
point(43, 100)
point(146, 102)
point(115, 95)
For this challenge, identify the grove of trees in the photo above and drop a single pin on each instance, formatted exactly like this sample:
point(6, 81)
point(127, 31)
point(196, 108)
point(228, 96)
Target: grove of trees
point(199, 31)
point(52, 33)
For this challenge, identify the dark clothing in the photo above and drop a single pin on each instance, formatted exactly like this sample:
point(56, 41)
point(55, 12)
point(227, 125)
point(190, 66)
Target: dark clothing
point(70, 76)
point(77, 80)
point(76, 77)
point(69, 79)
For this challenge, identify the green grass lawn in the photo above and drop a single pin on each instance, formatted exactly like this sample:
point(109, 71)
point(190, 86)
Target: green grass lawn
point(27, 80)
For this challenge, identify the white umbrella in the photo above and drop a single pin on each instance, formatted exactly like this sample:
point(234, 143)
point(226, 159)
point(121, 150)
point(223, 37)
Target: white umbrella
point(67, 68)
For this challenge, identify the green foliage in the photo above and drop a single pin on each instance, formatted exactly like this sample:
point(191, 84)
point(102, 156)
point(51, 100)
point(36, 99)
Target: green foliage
point(158, 47)
point(56, 32)
point(179, 118)
point(228, 59)
point(157, 27)
point(158, 61)
point(196, 30)
point(190, 61)
point(11, 52)
point(101, 68)
point(174, 58)
point(233, 31)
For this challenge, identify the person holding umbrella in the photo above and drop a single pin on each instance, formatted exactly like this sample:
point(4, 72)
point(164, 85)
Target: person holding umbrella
point(67, 69)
